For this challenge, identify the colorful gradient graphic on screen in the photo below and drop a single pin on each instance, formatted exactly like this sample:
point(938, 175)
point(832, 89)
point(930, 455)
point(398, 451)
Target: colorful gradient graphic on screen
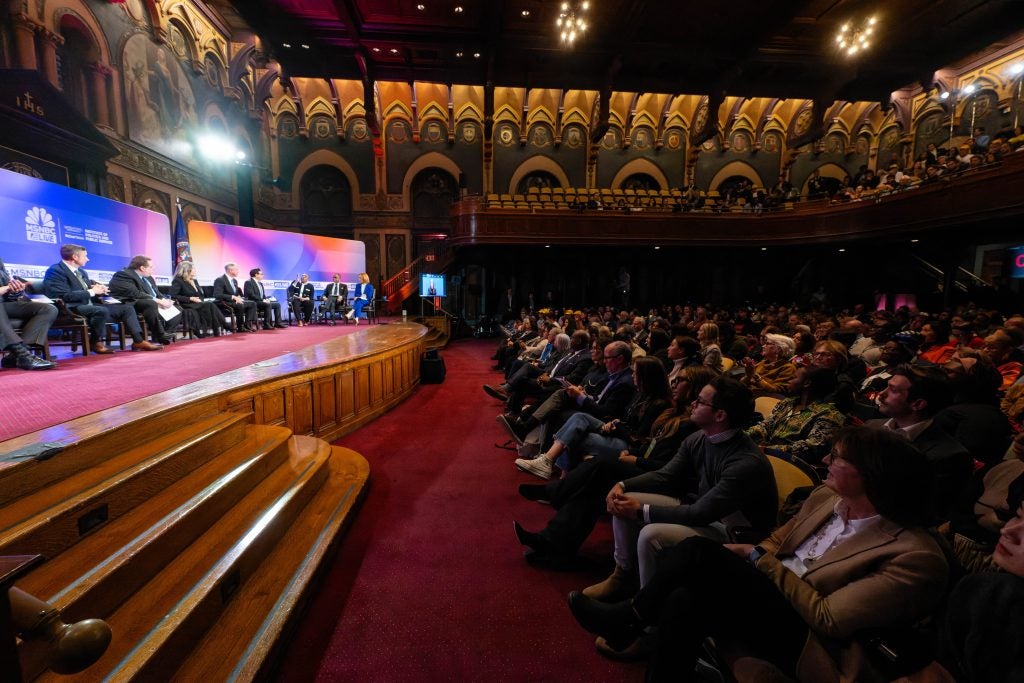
point(281, 255)
point(38, 216)
point(1017, 260)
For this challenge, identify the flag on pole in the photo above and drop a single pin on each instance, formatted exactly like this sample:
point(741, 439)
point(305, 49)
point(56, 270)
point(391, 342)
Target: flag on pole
point(182, 252)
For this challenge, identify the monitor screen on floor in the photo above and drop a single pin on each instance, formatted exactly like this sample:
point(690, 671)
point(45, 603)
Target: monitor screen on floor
point(432, 285)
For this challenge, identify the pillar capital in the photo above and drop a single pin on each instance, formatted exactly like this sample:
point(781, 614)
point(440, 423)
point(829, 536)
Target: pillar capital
point(51, 38)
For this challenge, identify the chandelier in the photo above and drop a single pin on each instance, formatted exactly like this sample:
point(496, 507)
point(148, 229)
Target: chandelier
point(853, 38)
point(571, 21)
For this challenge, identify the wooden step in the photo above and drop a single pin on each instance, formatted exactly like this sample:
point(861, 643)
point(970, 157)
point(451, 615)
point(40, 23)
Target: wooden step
point(95, 577)
point(267, 608)
point(53, 519)
point(91, 444)
point(156, 628)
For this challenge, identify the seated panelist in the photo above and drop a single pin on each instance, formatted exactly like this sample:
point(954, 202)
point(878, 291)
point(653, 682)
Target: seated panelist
point(361, 297)
point(188, 294)
point(300, 296)
point(335, 297)
point(36, 317)
point(135, 285)
point(69, 282)
point(227, 291)
point(254, 291)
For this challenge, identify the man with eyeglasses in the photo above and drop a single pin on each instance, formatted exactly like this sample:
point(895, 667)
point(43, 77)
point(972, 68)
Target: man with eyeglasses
point(609, 404)
point(135, 285)
point(735, 489)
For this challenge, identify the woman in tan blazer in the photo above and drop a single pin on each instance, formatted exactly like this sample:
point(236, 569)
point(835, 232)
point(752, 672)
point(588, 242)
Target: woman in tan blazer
point(854, 558)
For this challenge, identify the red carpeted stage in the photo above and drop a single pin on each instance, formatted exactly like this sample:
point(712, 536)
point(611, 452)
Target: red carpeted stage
point(83, 385)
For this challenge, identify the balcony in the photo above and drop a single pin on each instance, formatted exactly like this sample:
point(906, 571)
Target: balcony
point(989, 201)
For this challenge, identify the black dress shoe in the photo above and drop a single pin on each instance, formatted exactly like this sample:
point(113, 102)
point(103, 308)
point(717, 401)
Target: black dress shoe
point(217, 333)
point(200, 334)
point(513, 428)
point(30, 361)
point(496, 392)
point(617, 623)
point(535, 492)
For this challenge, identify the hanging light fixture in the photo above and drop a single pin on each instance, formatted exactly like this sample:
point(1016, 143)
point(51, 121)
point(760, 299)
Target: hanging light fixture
point(854, 38)
point(572, 21)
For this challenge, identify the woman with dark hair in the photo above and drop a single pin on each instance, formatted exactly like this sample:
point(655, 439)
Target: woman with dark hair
point(187, 293)
point(854, 558)
point(580, 495)
point(801, 427)
point(937, 348)
point(585, 434)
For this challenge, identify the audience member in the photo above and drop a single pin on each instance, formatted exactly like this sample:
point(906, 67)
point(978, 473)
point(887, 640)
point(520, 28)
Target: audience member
point(855, 558)
point(723, 478)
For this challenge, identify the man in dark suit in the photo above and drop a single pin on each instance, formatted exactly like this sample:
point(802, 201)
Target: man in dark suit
point(334, 298)
point(609, 404)
point(255, 292)
point(69, 282)
point(227, 292)
point(300, 295)
point(36, 317)
point(913, 395)
point(508, 306)
point(540, 381)
point(135, 285)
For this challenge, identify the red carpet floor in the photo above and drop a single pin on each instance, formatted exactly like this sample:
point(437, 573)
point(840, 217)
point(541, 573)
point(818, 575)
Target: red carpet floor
point(79, 386)
point(430, 584)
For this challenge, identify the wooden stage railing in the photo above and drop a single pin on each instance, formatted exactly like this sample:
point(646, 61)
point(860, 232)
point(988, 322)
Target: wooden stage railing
point(194, 521)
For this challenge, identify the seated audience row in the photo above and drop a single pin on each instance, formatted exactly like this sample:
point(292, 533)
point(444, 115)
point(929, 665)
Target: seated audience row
point(909, 426)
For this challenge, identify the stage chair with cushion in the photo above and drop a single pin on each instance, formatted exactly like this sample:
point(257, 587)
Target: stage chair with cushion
point(74, 329)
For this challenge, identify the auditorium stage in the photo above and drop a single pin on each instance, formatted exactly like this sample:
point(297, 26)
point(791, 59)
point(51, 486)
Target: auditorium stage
point(179, 373)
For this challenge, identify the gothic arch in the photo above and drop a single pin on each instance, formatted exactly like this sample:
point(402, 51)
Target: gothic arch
point(741, 168)
point(640, 166)
point(323, 157)
point(428, 160)
point(82, 15)
point(538, 162)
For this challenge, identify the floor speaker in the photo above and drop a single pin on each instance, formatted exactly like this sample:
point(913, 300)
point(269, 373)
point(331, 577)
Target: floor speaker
point(432, 370)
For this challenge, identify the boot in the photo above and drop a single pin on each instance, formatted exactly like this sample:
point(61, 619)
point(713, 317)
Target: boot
point(622, 585)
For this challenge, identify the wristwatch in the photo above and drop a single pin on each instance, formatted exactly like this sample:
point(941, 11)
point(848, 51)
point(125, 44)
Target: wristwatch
point(755, 554)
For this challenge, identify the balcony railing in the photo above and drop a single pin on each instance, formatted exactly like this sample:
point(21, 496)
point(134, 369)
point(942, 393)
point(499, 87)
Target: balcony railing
point(987, 197)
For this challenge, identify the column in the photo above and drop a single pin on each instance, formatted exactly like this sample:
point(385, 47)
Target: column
point(99, 73)
point(51, 41)
point(24, 41)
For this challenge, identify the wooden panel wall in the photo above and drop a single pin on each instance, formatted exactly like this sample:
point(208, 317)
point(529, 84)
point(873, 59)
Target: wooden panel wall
point(332, 401)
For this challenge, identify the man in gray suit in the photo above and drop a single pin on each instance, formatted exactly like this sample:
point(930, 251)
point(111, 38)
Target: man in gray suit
point(37, 316)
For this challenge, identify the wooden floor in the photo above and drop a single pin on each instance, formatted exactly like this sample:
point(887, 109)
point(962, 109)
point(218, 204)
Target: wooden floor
point(194, 520)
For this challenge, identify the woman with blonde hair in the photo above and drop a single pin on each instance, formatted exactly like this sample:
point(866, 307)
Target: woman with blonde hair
point(363, 297)
point(710, 351)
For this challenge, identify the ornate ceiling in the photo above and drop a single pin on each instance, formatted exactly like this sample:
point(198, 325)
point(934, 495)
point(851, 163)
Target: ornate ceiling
point(783, 48)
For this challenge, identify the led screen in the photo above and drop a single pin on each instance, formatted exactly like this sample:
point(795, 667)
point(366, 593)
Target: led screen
point(38, 216)
point(282, 255)
point(431, 285)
